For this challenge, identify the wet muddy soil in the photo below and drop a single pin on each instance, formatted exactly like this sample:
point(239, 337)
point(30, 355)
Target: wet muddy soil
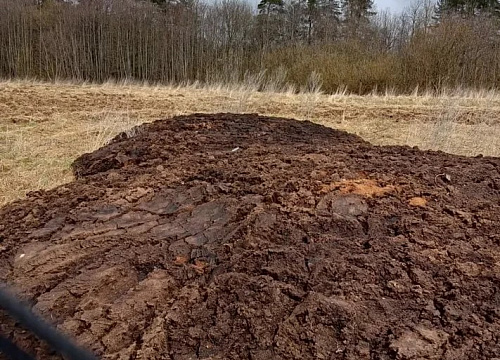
point(244, 237)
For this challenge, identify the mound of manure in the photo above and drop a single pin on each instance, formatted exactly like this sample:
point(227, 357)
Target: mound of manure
point(245, 237)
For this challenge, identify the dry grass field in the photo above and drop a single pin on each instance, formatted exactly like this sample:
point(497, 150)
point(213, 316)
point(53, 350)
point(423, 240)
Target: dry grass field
point(44, 127)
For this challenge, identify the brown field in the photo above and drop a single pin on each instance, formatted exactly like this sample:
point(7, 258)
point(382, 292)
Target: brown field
point(44, 127)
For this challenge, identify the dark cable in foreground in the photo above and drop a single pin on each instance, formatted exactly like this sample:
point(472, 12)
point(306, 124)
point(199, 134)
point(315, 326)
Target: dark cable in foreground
point(40, 328)
point(12, 351)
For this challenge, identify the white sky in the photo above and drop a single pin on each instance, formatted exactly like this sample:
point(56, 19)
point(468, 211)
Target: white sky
point(393, 5)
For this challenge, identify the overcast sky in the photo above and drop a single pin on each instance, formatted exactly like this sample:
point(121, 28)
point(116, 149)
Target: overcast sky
point(393, 5)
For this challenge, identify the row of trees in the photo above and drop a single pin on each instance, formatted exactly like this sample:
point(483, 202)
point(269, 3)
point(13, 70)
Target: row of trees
point(344, 42)
point(314, 20)
point(468, 7)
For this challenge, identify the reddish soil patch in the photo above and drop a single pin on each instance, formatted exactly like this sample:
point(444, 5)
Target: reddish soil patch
point(244, 237)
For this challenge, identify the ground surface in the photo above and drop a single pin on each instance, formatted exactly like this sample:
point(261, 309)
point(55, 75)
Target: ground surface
point(245, 237)
point(44, 127)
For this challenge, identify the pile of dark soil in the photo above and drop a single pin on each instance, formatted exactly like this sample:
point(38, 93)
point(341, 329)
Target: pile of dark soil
point(245, 237)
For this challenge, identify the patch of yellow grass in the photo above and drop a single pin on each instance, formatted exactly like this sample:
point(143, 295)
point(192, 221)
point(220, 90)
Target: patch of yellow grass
point(44, 127)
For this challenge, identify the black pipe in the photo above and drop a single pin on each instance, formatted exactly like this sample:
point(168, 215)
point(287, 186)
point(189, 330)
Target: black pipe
point(11, 350)
point(42, 329)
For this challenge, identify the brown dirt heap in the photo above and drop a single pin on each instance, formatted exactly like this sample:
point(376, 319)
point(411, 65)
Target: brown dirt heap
point(245, 237)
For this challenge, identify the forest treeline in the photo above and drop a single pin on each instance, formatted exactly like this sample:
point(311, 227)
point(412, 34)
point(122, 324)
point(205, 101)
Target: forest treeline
point(338, 44)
